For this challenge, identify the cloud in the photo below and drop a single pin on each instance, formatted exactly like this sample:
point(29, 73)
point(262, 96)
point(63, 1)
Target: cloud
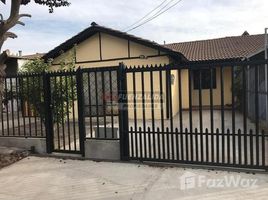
point(189, 20)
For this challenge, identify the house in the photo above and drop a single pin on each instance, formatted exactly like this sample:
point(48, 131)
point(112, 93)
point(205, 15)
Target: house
point(98, 46)
point(15, 61)
point(244, 47)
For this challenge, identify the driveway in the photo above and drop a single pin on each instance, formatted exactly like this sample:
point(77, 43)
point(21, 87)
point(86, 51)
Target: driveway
point(49, 178)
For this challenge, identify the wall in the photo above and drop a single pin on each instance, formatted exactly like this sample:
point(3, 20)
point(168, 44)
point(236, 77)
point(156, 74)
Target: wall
point(217, 91)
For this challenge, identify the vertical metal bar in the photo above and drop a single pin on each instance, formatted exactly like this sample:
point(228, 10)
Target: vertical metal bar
point(62, 111)
point(167, 94)
point(228, 146)
point(181, 145)
point(207, 146)
point(186, 144)
point(201, 115)
point(41, 95)
point(196, 145)
point(134, 99)
point(251, 147)
point(217, 145)
point(158, 143)
point(73, 109)
point(143, 114)
point(136, 145)
point(81, 115)
point(131, 142)
point(180, 100)
point(97, 104)
point(6, 97)
point(239, 147)
point(111, 99)
point(135, 111)
point(263, 149)
point(29, 107)
point(12, 106)
point(257, 112)
point(245, 113)
point(168, 144)
point(163, 144)
point(18, 108)
point(141, 145)
point(170, 100)
point(152, 109)
point(22, 105)
point(233, 106)
point(55, 89)
point(67, 109)
point(171, 115)
point(123, 112)
point(211, 112)
point(161, 100)
point(149, 143)
point(103, 103)
point(177, 143)
point(233, 99)
point(190, 100)
point(34, 106)
point(143, 102)
point(48, 113)
point(89, 104)
point(222, 114)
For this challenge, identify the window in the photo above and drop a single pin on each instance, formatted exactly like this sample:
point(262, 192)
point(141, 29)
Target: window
point(205, 78)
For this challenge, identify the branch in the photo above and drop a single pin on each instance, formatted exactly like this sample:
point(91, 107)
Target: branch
point(20, 23)
point(24, 15)
point(10, 35)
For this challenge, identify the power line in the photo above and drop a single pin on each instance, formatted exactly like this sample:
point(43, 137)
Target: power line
point(146, 15)
point(154, 16)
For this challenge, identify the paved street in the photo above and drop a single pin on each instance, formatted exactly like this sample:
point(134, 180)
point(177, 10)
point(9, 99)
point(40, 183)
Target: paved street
point(49, 178)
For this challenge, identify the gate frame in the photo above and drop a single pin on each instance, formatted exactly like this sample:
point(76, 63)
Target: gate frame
point(123, 112)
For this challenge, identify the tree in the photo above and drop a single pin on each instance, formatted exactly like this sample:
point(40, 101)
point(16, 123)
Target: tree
point(13, 20)
point(63, 90)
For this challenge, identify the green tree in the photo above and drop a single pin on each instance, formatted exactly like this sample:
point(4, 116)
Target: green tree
point(63, 89)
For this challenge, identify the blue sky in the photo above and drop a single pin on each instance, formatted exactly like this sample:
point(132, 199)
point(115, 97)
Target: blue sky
point(189, 20)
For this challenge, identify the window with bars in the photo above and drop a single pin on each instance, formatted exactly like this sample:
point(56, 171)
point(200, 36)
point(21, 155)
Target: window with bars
point(203, 76)
point(100, 93)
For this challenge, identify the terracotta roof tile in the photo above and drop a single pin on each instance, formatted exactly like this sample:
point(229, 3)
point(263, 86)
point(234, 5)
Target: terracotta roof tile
point(221, 48)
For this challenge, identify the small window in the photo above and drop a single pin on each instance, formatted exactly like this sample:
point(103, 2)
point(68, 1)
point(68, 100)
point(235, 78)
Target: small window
point(205, 79)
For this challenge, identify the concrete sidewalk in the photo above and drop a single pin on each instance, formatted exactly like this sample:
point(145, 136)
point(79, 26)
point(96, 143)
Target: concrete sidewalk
point(49, 178)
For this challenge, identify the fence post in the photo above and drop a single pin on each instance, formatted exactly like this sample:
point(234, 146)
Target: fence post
point(48, 112)
point(80, 101)
point(123, 112)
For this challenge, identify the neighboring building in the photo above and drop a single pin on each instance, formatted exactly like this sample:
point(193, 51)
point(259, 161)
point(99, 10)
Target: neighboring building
point(15, 62)
point(98, 46)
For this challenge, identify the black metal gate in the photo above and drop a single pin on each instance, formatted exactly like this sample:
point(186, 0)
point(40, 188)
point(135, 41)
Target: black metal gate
point(64, 116)
point(195, 114)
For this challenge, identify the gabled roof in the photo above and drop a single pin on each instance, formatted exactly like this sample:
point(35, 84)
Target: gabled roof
point(95, 28)
point(236, 47)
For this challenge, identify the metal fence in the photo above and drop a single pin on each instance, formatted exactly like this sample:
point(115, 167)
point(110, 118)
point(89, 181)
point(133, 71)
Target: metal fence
point(192, 113)
point(202, 116)
point(18, 117)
